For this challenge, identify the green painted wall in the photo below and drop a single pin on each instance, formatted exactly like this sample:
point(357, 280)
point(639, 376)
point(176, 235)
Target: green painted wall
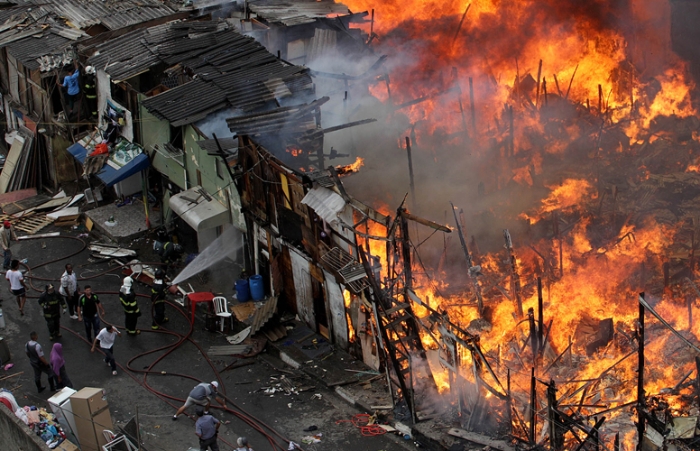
point(220, 188)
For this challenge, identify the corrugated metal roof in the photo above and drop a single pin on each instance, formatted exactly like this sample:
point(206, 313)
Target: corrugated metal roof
point(113, 14)
point(326, 203)
point(233, 71)
point(280, 121)
point(296, 12)
point(37, 32)
point(30, 50)
point(229, 145)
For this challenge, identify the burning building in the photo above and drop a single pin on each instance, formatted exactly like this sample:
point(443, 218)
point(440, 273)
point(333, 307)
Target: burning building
point(566, 135)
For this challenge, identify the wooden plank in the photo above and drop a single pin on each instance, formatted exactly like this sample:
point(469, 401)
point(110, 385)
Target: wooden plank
point(25, 204)
point(10, 163)
point(336, 311)
point(14, 196)
point(480, 439)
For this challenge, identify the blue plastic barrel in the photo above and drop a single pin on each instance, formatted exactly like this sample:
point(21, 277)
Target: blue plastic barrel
point(242, 290)
point(257, 290)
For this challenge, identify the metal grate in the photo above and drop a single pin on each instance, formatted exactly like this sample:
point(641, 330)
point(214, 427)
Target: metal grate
point(343, 264)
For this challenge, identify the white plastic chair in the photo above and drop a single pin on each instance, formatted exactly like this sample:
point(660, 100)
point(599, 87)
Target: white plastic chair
point(221, 309)
point(113, 440)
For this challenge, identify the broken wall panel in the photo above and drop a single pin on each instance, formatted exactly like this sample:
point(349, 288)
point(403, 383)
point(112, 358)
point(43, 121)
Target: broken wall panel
point(336, 310)
point(302, 288)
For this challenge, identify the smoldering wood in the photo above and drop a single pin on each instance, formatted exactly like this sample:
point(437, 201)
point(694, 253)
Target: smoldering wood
point(515, 277)
point(472, 106)
point(539, 74)
point(459, 27)
point(410, 172)
point(533, 407)
point(641, 401)
point(571, 82)
point(556, 83)
point(592, 435)
point(470, 264)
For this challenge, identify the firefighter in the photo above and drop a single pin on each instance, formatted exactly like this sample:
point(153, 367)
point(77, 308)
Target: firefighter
point(90, 90)
point(130, 305)
point(158, 299)
point(51, 302)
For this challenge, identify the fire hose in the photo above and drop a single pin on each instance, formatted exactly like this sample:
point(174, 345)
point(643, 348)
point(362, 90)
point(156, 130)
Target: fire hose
point(264, 429)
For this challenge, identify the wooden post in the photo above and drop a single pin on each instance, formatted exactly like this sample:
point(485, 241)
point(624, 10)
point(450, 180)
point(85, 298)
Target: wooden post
point(455, 79)
point(514, 277)
point(388, 87)
point(473, 108)
point(459, 27)
point(410, 173)
point(371, 25)
point(570, 82)
point(539, 74)
point(600, 99)
point(470, 264)
point(533, 408)
point(697, 376)
point(405, 250)
point(616, 444)
point(544, 89)
point(556, 83)
point(534, 336)
point(512, 131)
point(540, 316)
point(641, 403)
point(552, 416)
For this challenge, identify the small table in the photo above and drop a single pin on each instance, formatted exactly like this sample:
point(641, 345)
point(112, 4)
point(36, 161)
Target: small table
point(195, 298)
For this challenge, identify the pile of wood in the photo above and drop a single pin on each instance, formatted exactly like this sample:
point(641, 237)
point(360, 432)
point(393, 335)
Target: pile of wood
point(30, 212)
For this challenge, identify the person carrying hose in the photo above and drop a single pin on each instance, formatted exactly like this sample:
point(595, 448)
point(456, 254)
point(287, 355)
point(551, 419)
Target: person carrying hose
point(158, 291)
point(130, 305)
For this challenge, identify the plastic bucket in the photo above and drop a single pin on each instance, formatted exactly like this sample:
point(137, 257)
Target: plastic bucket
point(242, 290)
point(257, 290)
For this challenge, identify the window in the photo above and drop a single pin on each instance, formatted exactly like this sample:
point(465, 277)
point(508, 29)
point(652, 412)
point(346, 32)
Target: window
point(220, 168)
point(199, 178)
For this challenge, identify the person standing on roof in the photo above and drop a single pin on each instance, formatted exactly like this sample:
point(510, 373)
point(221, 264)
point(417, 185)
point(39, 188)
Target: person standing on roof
point(6, 236)
point(207, 429)
point(158, 299)
point(70, 290)
point(89, 303)
point(90, 89)
point(39, 363)
point(51, 303)
point(130, 305)
point(107, 337)
point(17, 286)
point(72, 85)
point(201, 395)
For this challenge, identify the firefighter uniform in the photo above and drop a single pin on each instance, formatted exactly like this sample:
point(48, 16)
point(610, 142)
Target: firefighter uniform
point(158, 300)
point(131, 312)
point(51, 303)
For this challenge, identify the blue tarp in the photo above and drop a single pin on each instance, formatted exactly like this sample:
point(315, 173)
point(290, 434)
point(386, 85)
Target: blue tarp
point(108, 174)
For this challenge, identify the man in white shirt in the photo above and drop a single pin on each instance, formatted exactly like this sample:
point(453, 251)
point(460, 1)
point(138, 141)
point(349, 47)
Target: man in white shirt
point(107, 337)
point(70, 290)
point(17, 286)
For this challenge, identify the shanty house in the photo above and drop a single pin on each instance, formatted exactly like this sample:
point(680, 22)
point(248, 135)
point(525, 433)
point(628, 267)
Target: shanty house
point(300, 224)
point(37, 42)
point(181, 80)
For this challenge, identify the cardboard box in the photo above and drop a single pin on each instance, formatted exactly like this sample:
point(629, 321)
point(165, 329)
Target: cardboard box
point(92, 417)
point(67, 446)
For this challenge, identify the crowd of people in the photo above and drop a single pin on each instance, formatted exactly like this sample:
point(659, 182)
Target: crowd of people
point(84, 305)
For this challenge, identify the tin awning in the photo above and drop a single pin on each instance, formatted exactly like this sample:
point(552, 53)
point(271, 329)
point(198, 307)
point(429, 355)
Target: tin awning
point(108, 174)
point(199, 209)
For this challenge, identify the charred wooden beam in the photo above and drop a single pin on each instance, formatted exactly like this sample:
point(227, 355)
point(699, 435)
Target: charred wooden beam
point(533, 407)
point(592, 435)
point(461, 21)
point(540, 316)
point(348, 125)
point(641, 402)
point(410, 172)
point(556, 436)
point(423, 98)
point(515, 277)
point(425, 222)
point(470, 264)
point(472, 106)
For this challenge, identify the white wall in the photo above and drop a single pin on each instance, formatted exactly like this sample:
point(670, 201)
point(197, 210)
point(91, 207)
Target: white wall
point(104, 93)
